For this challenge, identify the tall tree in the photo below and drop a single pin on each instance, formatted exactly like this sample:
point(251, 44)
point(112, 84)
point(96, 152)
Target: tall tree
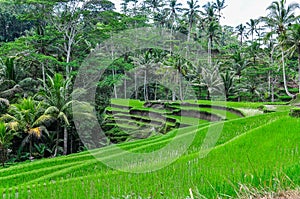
point(6, 136)
point(212, 27)
point(192, 14)
point(228, 81)
point(173, 10)
point(26, 117)
point(280, 16)
point(220, 5)
point(252, 27)
point(293, 42)
point(238, 65)
point(67, 19)
point(57, 98)
point(240, 31)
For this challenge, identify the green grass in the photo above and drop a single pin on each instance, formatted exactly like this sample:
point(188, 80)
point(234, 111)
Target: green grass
point(251, 105)
point(188, 120)
point(221, 113)
point(254, 151)
point(127, 102)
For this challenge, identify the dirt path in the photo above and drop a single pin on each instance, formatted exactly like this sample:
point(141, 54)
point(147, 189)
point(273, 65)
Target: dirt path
point(283, 195)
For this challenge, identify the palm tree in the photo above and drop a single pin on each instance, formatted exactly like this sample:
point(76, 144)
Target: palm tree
point(6, 136)
point(192, 14)
point(213, 32)
point(280, 16)
point(228, 81)
point(173, 10)
point(212, 80)
point(220, 5)
point(293, 41)
point(209, 12)
point(238, 65)
point(145, 62)
point(154, 6)
point(181, 67)
point(10, 69)
point(252, 27)
point(213, 27)
point(240, 29)
point(124, 6)
point(57, 98)
point(25, 117)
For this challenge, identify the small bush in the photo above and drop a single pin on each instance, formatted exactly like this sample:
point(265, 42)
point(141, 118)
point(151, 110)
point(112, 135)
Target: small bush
point(4, 105)
point(285, 98)
point(295, 112)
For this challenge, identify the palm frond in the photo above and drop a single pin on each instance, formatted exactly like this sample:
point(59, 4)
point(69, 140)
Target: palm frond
point(64, 118)
point(44, 120)
point(51, 110)
point(14, 126)
point(37, 132)
point(7, 118)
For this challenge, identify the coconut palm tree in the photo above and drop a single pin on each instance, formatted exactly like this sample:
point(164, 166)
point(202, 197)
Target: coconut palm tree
point(6, 136)
point(220, 5)
point(26, 117)
point(192, 14)
point(173, 10)
point(145, 62)
point(209, 12)
point(252, 27)
point(181, 68)
point(212, 80)
point(280, 16)
point(212, 27)
point(293, 42)
point(240, 30)
point(238, 65)
point(155, 7)
point(213, 34)
point(228, 81)
point(57, 98)
point(124, 6)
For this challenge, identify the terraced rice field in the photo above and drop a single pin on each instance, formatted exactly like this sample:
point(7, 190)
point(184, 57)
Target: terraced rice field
point(136, 119)
point(260, 151)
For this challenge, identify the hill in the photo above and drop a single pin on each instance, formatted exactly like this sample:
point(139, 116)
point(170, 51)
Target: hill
point(259, 151)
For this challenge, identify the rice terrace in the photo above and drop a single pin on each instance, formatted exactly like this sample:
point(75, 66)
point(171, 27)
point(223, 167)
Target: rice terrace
point(149, 99)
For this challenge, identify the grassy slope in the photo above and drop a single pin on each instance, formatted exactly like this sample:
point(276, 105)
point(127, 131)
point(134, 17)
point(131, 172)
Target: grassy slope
point(241, 155)
point(249, 150)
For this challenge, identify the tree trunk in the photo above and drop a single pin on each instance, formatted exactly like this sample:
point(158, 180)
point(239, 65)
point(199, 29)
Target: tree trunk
point(68, 70)
point(3, 155)
point(209, 51)
point(155, 91)
point(189, 32)
point(145, 86)
point(125, 86)
point(299, 67)
point(135, 85)
point(71, 144)
point(284, 76)
point(239, 95)
point(208, 95)
point(115, 88)
point(65, 140)
point(272, 90)
point(30, 147)
point(44, 76)
point(173, 96)
point(57, 140)
point(180, 86)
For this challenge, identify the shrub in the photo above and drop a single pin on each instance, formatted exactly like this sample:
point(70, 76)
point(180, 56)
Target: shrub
point(4, 105)
point(295, 112)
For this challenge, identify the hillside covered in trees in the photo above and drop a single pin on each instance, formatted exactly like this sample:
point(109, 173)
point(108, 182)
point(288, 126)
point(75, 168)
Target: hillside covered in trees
point(43, 45)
